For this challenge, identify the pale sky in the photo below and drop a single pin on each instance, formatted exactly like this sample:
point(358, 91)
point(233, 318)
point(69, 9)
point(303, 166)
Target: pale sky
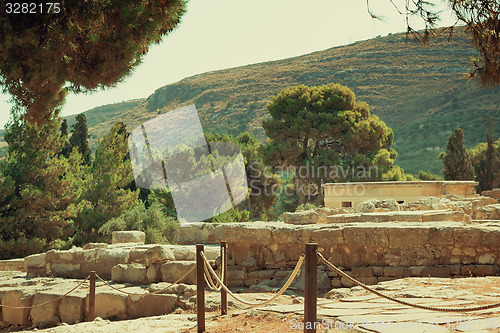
point(219, 34)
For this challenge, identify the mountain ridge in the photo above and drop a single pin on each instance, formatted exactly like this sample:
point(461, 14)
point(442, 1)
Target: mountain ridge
point(419, 91)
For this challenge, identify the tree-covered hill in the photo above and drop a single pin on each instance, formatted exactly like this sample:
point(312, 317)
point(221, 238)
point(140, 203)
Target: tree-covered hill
point(421, 92)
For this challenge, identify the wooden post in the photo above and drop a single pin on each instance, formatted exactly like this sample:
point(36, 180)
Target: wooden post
point(91, 313)
point(200, 289)
point(311, 288)
point(223, 293)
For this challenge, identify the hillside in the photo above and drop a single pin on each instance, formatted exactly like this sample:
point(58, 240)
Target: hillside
point(421, 92)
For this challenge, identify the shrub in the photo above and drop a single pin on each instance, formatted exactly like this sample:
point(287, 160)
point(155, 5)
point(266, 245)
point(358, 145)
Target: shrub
point(158, 227)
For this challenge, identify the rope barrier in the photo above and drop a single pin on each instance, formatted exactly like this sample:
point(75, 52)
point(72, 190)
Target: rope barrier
point(42, 304)
point(153, 292)
point(280, 292)
point(418, 306)
point(208, 278)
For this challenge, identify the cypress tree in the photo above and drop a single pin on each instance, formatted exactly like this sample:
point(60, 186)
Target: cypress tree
point(456, 159)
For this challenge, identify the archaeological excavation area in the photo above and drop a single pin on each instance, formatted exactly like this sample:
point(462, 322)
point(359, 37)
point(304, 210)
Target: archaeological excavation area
point(374, 242)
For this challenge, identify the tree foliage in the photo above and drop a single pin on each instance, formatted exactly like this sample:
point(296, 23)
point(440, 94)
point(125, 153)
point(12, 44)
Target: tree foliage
point(261, 182)
point(106, 195)
point(38, 188)
point(456, 159)
point(86, 46)
point(79, 137)
point(325, 126)
point(156, 224)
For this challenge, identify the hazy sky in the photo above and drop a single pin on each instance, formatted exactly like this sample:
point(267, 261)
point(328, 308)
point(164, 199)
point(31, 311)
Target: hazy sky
point(218, 34)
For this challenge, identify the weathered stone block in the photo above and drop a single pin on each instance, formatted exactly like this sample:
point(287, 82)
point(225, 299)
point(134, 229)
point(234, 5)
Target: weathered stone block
point(128, 237)
point(72, 308)
point(133, 273)
point(173, 270)
point(19, 298)
point(150, 305)
point(362, 271)
point(443, 272)
point(154, 273)
point(397, 272)
point(109, 305)
point(44, 315)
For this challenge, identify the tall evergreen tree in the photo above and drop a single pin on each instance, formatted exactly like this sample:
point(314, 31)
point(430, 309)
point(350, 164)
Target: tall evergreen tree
point(314, 128)
point(456, 159)
point(38, 189)
point(106, 196)
point(488, 164)
point(79, 137)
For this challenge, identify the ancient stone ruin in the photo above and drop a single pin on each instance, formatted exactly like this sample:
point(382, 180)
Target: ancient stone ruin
point(378, 240)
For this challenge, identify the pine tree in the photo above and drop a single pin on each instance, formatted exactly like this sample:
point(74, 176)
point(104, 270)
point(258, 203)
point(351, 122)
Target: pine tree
point(456, 159)
point(38, 189)
point(79, 46)
point(106, 196)
point(488, 165)
point(79, 137)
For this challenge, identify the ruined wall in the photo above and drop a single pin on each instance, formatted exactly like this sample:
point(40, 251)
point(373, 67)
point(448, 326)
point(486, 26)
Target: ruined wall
point(372, 252)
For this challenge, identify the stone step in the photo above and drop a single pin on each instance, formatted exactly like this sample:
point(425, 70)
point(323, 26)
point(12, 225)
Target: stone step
point(400, 216)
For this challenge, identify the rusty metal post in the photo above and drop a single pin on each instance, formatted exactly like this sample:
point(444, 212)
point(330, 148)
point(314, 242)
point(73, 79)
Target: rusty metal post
point(223, 292)
point(200, 289)
point(311, 288)
point(91, 313)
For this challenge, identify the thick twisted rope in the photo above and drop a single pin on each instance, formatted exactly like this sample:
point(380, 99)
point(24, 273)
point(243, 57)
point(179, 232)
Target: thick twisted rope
point(42, 304)
point(280, 292)
point(418, 306)
point(151, 293)
point(208, 278)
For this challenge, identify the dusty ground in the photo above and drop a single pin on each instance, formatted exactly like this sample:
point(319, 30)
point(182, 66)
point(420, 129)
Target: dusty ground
point(285, 314)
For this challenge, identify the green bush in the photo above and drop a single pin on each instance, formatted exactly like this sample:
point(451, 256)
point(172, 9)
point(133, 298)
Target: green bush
point(158, 227)
point(306, 206)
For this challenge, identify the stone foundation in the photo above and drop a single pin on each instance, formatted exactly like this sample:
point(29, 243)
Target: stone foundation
point(372, 252)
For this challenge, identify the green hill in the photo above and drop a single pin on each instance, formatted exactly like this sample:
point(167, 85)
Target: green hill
point(421, 92)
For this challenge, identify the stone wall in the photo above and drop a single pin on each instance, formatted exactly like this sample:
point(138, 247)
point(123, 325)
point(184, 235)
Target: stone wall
point(124, 262)
point(372, 252)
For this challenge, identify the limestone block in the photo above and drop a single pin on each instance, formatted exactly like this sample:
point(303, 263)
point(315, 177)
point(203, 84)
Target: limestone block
point(35, 261)
point(485, 270)
point(397, 272)
point(35, 265)
point(44, 315)
point(301, 217)
point(72, 308)
point(486, 258)
point(109, 304)
point(490, 212)
point(133, 273)
point(91, 246)
point(151, 255)
point(154, 273)
point(17, 298)
point(173, 270)
point(150, 305)
point(65, 270)
point(262, 274)
point(367, 206)
point(128, 237)
point(362, 271)
point(235, 274)
point(368, 280)
point(494, 193)
point(103, 260)
point(299, 282)
point(437, 271)
point(344, 218)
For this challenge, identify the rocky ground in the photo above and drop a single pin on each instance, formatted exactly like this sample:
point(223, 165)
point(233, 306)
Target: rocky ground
point(340, 310)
